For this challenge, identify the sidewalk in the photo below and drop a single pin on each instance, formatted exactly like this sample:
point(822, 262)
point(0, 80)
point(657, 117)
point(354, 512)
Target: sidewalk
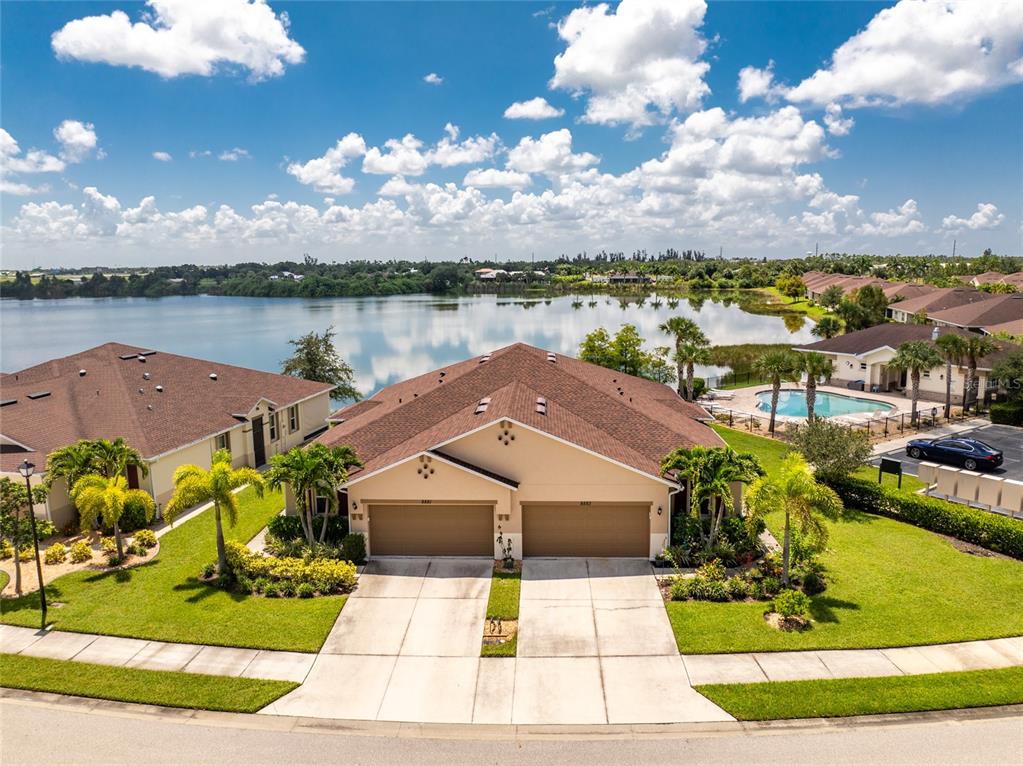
point(156, 655)
point(853, 663)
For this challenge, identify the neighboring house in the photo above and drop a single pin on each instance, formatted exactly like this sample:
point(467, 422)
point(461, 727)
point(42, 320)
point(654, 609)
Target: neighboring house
point(1013, 328)
point(864, 356)
point(560, 457)
point(995, 278)
point(630, 278)
point(172, 409)
point(996, 310)
point(817, 282)
point(936, 300)
point(489, 274)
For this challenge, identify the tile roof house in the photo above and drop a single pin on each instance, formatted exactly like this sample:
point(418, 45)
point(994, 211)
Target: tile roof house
point(559, 456)
point(863, 357)
point(996, 310)
point(173, 409)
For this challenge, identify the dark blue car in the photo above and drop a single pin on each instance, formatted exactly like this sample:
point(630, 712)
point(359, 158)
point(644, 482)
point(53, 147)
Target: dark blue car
point(971, 454)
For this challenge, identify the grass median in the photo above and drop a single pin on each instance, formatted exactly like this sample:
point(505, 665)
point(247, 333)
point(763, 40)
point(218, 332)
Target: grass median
point(503, 605)
point(164, 600)
point(152, 687)
point(834, 698)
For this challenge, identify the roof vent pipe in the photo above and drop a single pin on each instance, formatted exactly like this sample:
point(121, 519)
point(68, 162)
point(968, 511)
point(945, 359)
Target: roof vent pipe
point(213, 376)
point(934, 333)
point(141, 358)
point(81, 373)
point(159, 389)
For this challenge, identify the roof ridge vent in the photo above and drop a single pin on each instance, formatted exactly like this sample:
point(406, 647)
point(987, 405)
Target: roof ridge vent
point(213, 376)
point(8, 402)
point(552, 357)
point(541, 405)
point(39, 395)
point(481, 407)
point(485, 358)
point(142, 358)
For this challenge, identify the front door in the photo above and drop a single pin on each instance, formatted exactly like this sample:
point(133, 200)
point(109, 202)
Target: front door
point(258, 448)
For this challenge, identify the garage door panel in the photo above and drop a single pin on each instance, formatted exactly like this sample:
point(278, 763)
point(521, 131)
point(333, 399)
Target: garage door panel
point(586, 530)
point(431, 530)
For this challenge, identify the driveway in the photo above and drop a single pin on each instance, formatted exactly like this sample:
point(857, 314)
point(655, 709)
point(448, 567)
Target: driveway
point(594, 646)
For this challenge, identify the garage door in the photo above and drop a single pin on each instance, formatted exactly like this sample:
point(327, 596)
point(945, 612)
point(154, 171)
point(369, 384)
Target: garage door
point(431, 530)
point(586, 530)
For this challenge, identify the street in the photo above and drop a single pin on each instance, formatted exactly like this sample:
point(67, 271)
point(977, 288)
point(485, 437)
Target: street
point(34, 732)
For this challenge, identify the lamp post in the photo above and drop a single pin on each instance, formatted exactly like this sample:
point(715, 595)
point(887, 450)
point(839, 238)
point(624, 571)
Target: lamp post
point(26, 469)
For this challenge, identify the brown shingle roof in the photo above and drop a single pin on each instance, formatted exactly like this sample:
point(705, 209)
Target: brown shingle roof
point(627, 419)
point(903, 291)
point(941, 299)
point(107, 402)
point(994, 310)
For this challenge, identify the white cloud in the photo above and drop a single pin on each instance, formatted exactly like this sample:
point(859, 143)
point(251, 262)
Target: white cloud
point(836, 124)
point(407, 156)
point(533, 109)
point(986, 217)
point(177, 37)
point(759, 83)
point(162, 156)
point(483, 178)
point(233, 155)
point(923, 52)
point(550, 154)
point(198, 153)
point(34, 161)
point(324, 173)
point(896, 222)
point(450, 151)
point(638, 63)
point(401, 158)
point(77, 140)
point(433, 79)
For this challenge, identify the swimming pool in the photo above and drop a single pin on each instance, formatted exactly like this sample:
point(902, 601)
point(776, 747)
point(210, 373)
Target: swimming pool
point(793, 404)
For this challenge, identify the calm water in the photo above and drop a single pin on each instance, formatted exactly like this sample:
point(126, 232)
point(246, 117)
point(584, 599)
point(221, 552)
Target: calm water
point(793, 404)
point(384, 339)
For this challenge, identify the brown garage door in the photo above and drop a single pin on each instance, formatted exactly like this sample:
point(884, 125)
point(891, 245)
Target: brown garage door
point(431, 530)
point(586, 530)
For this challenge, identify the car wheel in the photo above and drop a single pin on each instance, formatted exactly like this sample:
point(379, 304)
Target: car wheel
point(970, 464)
point(915, 452)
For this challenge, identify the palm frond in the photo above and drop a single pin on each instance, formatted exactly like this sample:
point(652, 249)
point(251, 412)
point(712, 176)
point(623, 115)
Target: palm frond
point(188, 493)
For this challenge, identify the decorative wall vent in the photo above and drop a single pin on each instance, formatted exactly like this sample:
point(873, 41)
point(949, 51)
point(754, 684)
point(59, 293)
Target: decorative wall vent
point(505, 435)
point(425, 468)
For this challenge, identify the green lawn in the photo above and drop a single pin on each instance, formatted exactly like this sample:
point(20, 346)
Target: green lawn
point(890, 584)
point(4, 579)
point(802, 305)
point(503, 604)
point(153, 687)
point(163, 600)
point(868, 696)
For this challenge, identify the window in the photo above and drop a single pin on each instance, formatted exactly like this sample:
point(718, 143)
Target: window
point(274, 426)
point(292, 419)
point(223, 441)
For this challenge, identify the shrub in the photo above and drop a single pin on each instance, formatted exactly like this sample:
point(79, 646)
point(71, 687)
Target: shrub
point(27, 553)
point(685, 531)
point(1007, 413)
point(305, 590)
point(988, 530)
point(680, 588)
point(353, 548)
point(272, 590)
point(243, 585)
point(260, 584)
point(137, 549)
point(208, 570)
point(738, 588)
point(708, 590)
point(337, 528)
point(699, 387)
point(284, 528)
point(6, 549)
point(712, 570)
point(81, 552)
point(133, 517)
point(792, 603)
point(45, 528)
point(325, 575)
point(145, 537)
point(834, 450)
point(55, 554)
point(287, 588)
point(113, 559)
point(813, 583)
point(770, 585)
point(108, 545)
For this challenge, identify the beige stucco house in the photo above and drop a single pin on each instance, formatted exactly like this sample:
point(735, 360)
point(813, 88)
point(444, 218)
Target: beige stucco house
point(558, 456)
point(173, 409)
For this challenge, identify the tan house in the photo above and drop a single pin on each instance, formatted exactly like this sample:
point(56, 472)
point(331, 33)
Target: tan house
point(558, 456)
point(935, 300)
point(996, 310)
point(863, 356)
point(173, 409)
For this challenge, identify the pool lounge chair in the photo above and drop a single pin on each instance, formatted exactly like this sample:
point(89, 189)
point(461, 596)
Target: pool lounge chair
point(716, 393)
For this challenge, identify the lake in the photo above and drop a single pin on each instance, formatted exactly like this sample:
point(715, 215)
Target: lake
point(385, 339)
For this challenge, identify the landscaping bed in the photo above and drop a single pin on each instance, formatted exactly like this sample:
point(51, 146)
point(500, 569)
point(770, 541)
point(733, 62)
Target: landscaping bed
point(153, 687)
point(867, 696)
point(501, 627)
point(164, 599)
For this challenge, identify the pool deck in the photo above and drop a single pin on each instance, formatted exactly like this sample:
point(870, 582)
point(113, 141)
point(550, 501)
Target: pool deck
point(744, 400)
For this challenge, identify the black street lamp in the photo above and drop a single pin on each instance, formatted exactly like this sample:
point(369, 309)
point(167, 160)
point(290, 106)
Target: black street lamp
point(26, 469)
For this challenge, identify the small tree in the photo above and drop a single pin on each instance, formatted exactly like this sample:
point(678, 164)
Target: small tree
point(624, 352)
point(688, 355)
point(834, 450)
point(827, 327)
point(790, 286)
point(710, 473)
point(831, 297)
point(815, 366)
point(71, 463)
point(103, 497)
point(194, 485)
point(14, 525)
point(1009, 374)
point(776, 366)
point(915, 356)
point(686, 333)
point(953, 348)
point(806, 502)
point(315, 358)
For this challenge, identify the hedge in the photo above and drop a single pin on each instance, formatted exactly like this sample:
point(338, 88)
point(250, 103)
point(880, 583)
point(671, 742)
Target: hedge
point(1007, 413)
point(988, 530)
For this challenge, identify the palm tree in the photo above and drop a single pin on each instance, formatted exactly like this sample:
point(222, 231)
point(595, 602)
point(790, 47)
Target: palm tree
point(194, 485)
point(70, 463)
point(338, 460)
point(114, 458)
point(977, 347)
point(776, 366)
point(953, 348)
point(916, 356)
point(827, 327)
point(104, 497)
point(794, 489)
point(688, 355)
point(815, 366)
point(710, 473)
point(685, 331)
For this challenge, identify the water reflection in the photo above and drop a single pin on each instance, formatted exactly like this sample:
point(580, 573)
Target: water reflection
point(385, 339)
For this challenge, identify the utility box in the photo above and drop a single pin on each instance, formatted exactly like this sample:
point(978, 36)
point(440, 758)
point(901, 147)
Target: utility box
point(966, 487)
point(1012, 496)
point(948, 478)
point(989, 491)
point(928, 473)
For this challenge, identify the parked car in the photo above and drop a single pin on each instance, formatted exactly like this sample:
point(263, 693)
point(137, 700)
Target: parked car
point(971, 454)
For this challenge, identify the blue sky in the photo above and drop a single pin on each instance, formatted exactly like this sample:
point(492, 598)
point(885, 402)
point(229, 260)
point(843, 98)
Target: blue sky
point(878, 128)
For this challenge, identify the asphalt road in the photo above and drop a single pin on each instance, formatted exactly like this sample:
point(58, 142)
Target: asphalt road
point(1008, 439)
point(42, 733)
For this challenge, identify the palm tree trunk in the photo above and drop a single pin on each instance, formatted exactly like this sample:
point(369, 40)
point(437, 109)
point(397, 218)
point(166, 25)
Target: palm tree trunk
point(785, 552)
point(811, 397)
point(679, 366)
point(689, 381)
point(915, 378)
point(323, 526)
point(221, 551)
point(948, 389)
point(775, 391)
point(120, 543)
point(973, 383)
point(966, 387)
